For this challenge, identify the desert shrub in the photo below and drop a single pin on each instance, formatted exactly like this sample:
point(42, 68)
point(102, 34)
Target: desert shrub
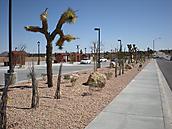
point(66, 77)
point(108, 75)
point(73, 80)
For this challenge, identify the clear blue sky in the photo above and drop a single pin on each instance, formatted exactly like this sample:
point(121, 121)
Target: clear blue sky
point(132, 21)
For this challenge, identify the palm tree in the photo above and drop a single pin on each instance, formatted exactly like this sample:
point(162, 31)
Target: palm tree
point(68, 16)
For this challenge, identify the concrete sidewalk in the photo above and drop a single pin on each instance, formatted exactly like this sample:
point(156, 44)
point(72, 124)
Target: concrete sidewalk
point(143, 104)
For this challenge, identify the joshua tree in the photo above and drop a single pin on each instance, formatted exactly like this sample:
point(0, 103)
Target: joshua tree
point(57, 93)
point(116, 67)
point(135, 52)
point(35, 96)
point(95, 56)
point(130, 52)
point(3, 106)
point(68, 16)
point(120, 58)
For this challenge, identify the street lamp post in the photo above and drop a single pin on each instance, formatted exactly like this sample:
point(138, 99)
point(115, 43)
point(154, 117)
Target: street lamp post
point(10, 76)
point(77, 47)
point(10, 38)
point(38, 53)
point(153, 43)
point(120, 45)
point(98, 29)
point(85, 50)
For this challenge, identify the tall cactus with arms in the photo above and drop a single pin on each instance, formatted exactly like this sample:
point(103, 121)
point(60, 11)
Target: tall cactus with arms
point(69, 16)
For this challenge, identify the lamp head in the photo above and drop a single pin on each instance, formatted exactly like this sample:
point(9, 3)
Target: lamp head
point(97, 29)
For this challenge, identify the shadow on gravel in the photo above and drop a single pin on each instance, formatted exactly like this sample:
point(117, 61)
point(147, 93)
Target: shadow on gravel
point(46, 97)
point(21, 87)
point(1, 89)
point(24, 108)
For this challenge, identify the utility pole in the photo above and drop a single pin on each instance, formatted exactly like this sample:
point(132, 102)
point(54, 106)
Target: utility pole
point(10, 38)
point(38, 53)
point(77, 47)
point(10, 76)
point(85, 50)
point(98, 29)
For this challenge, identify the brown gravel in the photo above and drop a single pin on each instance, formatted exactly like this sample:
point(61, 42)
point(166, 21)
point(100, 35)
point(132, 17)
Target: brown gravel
point(72, 111)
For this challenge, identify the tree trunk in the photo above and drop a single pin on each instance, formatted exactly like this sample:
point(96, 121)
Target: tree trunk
point(57, 94)
point(3, 106)
point(122, 66)
point(131, 58)
point(35, 96)
point(95, 58)
point(49, 64)
point(116, 65)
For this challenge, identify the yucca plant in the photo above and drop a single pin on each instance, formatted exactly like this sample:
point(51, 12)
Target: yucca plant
point(69, 16)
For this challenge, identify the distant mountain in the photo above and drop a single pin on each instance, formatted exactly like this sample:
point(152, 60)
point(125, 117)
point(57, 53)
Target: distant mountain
point(4, 53)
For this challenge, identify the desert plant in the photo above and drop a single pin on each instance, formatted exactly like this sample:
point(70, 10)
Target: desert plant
point(3, 103)
point(68, 16)
point(108, 75)
point(116, 68)
point(3, 107)
point(130, 52)
point(122, 63)
point(135, 53)
point(66, 77)
point(95, 56)
point(57, 94)
point(35, 96)
point(73, 80)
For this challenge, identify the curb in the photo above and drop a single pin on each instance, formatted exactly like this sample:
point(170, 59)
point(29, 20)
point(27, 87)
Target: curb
point(166, 99)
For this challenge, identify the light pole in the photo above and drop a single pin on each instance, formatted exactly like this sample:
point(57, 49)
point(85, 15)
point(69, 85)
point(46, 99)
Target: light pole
point(10, 38)
point(98, 29)
point(153, 43)
point(85, 50)
point(120, 45)
point(10, 76)
point(38, 53)
point(77, 47)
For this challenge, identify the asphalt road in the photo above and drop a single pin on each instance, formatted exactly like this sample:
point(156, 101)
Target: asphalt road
point(166, 68)
point(41, 69)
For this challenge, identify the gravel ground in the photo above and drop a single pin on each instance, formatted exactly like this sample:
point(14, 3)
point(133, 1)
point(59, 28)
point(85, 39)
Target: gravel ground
point(72, 111)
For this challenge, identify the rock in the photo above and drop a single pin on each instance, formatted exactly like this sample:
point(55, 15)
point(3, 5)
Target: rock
point(96, 79)
point(127, 66)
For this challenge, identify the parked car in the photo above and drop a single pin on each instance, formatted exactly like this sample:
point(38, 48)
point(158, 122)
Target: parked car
point(85, 61)
point(171, 58)
point(103, 60)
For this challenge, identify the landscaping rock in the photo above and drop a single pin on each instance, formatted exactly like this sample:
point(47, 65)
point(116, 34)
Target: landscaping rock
point(96, 79)
point(127, 66)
